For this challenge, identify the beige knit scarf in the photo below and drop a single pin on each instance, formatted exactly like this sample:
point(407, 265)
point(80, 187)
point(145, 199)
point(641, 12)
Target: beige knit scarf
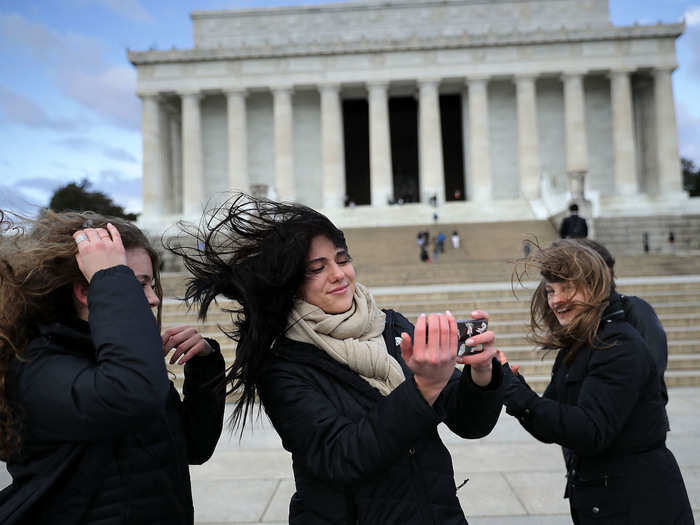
point(353, 338)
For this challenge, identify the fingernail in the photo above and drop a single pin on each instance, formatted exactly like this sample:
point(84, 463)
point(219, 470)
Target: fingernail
point(475, 312)
point(448, 312)
point(469, 342)
point(421, 315)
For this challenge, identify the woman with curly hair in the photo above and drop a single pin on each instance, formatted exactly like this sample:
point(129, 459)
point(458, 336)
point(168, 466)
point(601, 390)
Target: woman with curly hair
point(354, 392)
point(604, 404)
point(90, 426)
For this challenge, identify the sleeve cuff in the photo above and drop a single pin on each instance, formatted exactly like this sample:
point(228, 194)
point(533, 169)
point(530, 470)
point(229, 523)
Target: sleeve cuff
point(518, 397)
point(496, 378)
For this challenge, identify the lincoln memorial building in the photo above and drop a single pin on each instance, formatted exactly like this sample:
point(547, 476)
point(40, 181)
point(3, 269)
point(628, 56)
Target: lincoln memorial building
point(382, 112)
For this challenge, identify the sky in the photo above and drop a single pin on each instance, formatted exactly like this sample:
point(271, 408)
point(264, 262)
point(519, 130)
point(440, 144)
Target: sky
point(69, 111)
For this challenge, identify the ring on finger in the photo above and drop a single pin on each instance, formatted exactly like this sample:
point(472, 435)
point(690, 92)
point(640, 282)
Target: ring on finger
point(80, 238)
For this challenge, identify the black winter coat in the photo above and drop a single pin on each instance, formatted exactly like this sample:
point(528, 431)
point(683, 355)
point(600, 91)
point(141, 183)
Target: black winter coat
point(573, 227)
point(105, 437)
point(606, 410)
point(643, 318)
point(363, 458)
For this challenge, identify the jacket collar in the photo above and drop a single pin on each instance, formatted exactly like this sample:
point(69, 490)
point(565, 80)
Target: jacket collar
point(614, 311)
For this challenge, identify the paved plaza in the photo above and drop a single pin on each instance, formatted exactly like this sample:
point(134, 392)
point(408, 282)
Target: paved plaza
point(513, 479)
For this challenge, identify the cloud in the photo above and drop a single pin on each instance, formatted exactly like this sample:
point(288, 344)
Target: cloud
point(18, 109)
point(688, 133)
point(50, 47)
point(15, 200)
point(110, 93)
point(692, 15)
point(122, 189)
point(40, 184)
point(129, 9)
point(79, 66)
point(85, 144)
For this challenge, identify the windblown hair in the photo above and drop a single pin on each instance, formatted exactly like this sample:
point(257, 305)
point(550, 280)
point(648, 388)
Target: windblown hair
point(37, 272)
point(604, 253)
point(567, 261)
point(253, 251)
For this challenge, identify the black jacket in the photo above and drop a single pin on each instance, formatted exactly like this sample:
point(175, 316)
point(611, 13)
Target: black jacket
point(573, 227)
point(643, 318)
point(606, 410)
point(363, 458)
point(105, 437)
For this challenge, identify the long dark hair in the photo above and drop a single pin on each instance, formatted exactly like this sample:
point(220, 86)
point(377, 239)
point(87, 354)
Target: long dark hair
point(254, 252)
point(37, 272)
point(584, 269)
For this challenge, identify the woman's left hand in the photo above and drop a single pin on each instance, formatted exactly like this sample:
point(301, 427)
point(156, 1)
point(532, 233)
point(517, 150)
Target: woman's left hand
point(187, 343)
point(480, 362)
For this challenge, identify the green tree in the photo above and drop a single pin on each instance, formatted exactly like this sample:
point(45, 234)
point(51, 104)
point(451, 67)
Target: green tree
point(691, 177)
point(77, 197)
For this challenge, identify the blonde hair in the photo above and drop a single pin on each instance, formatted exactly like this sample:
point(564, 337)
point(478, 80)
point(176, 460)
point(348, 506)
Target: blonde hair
point(37, 272)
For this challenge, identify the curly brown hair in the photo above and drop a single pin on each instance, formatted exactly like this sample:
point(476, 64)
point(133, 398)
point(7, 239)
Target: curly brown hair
point(567, 261)
point(37, 272)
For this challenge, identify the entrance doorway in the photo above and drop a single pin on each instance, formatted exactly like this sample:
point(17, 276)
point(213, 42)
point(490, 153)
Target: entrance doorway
point(403, 122)
point(452, 146)
point(356, 133)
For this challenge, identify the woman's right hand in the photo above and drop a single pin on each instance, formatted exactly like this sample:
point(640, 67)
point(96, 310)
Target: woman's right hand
point(433, 360)
point(98, 248)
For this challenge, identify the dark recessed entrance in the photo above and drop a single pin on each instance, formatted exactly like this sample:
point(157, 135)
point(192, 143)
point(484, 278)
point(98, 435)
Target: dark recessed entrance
point(356, 131)
point(403, 121)
point(452, 146)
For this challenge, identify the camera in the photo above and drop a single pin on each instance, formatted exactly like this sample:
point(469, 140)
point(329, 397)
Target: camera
point(469, 328)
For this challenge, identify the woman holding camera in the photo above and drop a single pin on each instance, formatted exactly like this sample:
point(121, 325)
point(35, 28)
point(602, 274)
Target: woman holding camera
point(604, 404)
point(355, 393)
point(92, 430)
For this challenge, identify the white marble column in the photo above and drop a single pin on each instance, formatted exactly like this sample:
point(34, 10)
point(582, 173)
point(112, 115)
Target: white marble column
point(625, 157)
point(668, 161)
point(432, 171)
point(479, 180)
point(528, 142)
point(192, 166)
point(380, 168)
point(285, 189)
point(575, 122)
point(237, 141)
point(175, 125)
point(332, 147)
point(154, 178)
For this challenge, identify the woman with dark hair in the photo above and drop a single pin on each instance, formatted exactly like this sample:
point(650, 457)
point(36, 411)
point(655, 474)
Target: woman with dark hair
point(354, 393)
point(604, 404)
point(90, 426)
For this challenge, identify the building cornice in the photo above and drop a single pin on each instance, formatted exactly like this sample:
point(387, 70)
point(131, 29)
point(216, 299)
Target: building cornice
point(339, 7)
point(464, 41)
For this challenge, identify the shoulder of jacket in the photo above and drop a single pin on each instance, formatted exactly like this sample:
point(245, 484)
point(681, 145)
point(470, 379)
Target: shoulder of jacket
point(619, 338)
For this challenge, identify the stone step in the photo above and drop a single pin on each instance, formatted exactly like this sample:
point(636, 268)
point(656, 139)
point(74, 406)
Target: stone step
point(538, 382)
point(543, 367)
point(453, 269)
point(498, 306)
point(517, 336)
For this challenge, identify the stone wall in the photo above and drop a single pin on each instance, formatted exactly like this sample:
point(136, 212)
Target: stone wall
point(404, 20)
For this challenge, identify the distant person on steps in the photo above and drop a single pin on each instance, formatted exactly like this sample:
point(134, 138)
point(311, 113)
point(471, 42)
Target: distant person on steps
point(573, 226)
